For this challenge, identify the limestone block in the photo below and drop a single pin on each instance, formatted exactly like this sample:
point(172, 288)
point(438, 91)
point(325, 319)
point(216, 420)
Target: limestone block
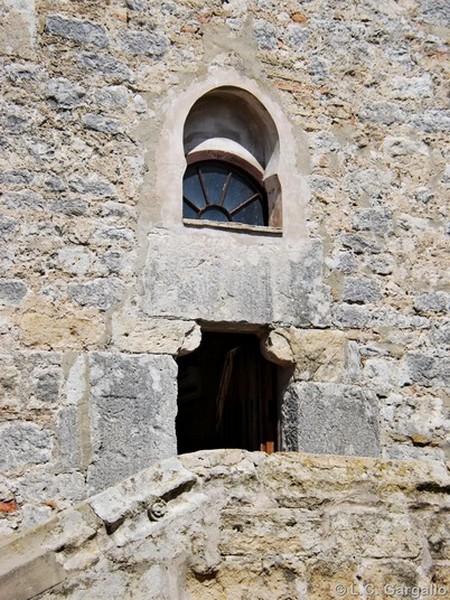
point(101, 123)
point(147, 43)
point(330, 419)
point(327, 580)
point(133, 408)
point(84, 32)
point(377, 220)
point(436, 302)
point(114, 505)
point(101, 293)
point(360, 290)
point(94, 185)
point(12, 292)
point(365, 534)
point(361, 244)
point(68, 435)
point(132, 332)
point(65, 93)
point(319, 355)
point(18, 28)
point(201, 275)
point(386, 113)
point(247, 531)
point(66, 331)
point(24, 443)
point(276, 347)
point(107, 66)
point(428, 370)
point(75, 260)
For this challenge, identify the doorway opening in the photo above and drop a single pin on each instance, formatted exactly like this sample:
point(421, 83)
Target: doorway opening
point(227, 395)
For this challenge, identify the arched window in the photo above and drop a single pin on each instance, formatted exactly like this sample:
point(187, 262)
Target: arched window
point(231, 145)
point(217, 190)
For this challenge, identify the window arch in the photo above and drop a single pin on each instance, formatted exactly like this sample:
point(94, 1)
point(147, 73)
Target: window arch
point(231, 149)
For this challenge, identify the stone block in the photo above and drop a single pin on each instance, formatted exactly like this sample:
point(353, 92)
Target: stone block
point(71, 207)
point(29, 579)
point(147, 43)
point(16, 177)
point(101, 293)
point(319, 355)
point(107, 66)
point(24, 443)
point(360, 290)
point(405, 88)
point(428, 370)
point(101, 123)
point(382, 264)
point(133, 407)
point(68, 435)
point(360, 317)
point(64, 93)
point(365, 534)
point(435, 302)
point(75, 260)
point(132, 332)
point(330, 419)
point(238, 281)
point(385, 113)
point(67, 331)
point(376, 220)
point(362, 244)
point(265, 34)
point(93, 185)
point(245, 532)
point(8, 228)
point(12, 292)
point(84, 32)
point(18, 28)
point(25, 199)
point(432, 121)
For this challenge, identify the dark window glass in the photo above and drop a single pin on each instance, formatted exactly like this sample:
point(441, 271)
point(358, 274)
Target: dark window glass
point(218, 191)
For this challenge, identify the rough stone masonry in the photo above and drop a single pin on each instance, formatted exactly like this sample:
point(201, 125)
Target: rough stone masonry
point(102, 286)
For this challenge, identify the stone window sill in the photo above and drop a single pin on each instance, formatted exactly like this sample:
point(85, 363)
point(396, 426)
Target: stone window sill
point(238, 227)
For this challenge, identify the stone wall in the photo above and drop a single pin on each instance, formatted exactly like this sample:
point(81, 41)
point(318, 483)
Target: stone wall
point(101, 286)
point(232, 524)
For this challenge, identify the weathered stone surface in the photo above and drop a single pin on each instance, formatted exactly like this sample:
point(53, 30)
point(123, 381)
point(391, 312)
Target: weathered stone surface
point(95, 255)
point(427, 370)
point(101, 293)
point(319, 355)
point(436, 302)
point(66, 331)
point(264, 284)
point(360, 290)
point(147, 43)
point(101, 123)
point(331, 419)
point(23, 444)
point(107, 66)
point(132, 332)
point(237, 523)
point(65, 93)
point(18, 28)
point(133, 408)
point(84, 32)
point(12, 291)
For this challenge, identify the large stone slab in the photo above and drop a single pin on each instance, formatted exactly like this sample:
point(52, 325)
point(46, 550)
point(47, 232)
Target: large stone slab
point(220, 276)
point(331, 419)
point(133, 408)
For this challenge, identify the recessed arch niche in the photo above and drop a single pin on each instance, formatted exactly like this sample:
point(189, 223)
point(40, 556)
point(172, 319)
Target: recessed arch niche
point(229, 125)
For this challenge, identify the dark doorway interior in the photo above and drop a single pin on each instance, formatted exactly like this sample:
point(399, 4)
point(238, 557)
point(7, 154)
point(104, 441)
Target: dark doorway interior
point(227, 395)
